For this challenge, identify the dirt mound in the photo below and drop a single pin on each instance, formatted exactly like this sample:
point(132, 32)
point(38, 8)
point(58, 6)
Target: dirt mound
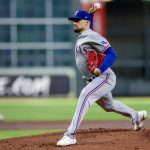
point(91, 139)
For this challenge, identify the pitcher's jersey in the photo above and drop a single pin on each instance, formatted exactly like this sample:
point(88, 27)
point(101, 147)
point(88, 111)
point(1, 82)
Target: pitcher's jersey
point(89, 41)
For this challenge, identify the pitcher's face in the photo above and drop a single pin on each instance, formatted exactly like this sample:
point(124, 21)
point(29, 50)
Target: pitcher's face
point(80, 25)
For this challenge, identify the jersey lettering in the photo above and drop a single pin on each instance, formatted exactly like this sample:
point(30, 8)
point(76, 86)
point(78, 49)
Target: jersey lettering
point(104, 42)
point(80, 49)
point(84, 52)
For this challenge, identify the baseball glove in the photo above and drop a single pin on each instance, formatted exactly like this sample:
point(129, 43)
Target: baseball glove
point(94, 60)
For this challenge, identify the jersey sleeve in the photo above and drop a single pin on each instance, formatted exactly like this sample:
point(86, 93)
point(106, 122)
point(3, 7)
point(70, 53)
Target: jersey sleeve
point(98, 42)
point(109, 59)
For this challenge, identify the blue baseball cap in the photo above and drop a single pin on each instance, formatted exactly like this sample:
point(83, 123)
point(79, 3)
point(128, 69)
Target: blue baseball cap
point(82, 15)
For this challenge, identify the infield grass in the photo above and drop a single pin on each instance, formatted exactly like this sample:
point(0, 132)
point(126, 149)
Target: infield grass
point(19, 133)
point(49, 109)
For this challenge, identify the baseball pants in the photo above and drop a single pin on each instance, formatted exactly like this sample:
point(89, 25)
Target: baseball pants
point(99, 91)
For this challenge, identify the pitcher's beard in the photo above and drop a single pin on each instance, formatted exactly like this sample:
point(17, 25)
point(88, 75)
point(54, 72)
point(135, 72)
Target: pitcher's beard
point(77, 30)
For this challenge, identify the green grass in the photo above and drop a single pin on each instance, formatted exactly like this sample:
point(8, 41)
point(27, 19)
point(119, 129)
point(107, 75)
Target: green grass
point(13, 133)
point(59, 109)
point(48, 109)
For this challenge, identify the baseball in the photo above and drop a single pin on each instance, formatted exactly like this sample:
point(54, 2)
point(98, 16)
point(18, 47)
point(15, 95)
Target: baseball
point(97, 5)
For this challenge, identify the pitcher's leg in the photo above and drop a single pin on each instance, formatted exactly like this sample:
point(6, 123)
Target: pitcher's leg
point(78, 116)
point(111, 105)
point(92, 92)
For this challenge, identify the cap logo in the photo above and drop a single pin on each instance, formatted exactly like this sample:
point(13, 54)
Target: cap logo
point(76, 13)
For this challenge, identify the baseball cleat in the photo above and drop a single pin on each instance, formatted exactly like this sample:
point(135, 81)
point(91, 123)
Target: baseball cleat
point(139, 123)
point(66, 140)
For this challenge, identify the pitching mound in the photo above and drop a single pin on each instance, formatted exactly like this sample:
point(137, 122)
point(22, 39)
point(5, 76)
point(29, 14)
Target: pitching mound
point(91, 139)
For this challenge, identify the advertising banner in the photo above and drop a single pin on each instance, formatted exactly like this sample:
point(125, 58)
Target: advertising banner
point(37, 83)
point(34, 85)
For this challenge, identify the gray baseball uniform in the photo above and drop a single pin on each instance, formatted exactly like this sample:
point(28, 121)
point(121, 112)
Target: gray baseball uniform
point(99, 89)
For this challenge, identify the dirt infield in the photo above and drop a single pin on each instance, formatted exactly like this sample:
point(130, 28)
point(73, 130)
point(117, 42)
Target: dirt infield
point(91, 139)
point(122, 138)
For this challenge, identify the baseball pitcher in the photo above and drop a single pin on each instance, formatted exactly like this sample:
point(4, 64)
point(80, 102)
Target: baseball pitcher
point(94, 57)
